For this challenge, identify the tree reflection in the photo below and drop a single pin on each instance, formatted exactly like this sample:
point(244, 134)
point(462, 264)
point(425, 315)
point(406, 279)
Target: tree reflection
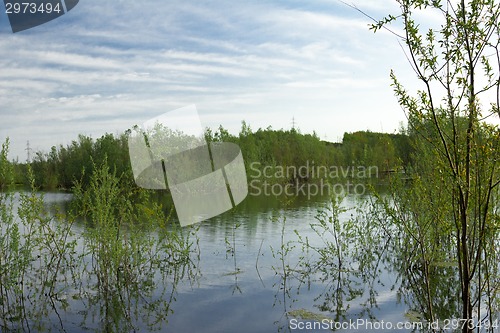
point(135, 257)
point(121, 276)
point(352, 258)
point(347, 258)
point(138, 295)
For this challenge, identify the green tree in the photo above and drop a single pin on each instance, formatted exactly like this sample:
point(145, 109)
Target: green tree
point(458, 66)
point(6, 170)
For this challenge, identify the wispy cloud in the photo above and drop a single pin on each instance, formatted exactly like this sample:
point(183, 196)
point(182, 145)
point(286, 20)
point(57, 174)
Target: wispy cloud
point(106, 66)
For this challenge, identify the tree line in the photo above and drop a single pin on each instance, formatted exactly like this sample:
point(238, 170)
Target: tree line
point(63, 165)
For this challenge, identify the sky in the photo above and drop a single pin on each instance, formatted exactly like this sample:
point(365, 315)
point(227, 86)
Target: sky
point(106, 66)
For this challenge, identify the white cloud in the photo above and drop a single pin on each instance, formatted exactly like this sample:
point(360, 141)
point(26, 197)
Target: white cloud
point(106, 66)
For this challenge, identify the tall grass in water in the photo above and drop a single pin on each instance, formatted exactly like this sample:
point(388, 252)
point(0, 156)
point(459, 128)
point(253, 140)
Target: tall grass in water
point(132, 249)
point(36, 257)
point(345, 254)
point(121, 276)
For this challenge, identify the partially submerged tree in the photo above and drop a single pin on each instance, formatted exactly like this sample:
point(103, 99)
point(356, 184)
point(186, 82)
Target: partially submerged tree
point(458, 174)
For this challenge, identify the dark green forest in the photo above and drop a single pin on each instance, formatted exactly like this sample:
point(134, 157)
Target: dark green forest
point(62, 166)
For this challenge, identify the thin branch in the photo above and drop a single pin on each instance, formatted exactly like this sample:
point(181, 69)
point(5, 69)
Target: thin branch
point(448, 156)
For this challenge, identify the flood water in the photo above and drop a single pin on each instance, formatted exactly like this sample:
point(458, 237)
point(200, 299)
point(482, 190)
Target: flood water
point(240, 279)
point(254, 300)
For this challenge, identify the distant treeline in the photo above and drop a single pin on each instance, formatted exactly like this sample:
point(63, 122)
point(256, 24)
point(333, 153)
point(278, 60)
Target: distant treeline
point(63, 165)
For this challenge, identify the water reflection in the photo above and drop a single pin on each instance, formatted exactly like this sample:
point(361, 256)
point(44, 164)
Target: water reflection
point(251, 269)
point(52, 279)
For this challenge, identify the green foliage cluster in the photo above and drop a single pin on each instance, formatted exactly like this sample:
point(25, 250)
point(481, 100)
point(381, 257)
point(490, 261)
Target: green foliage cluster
point(36, 256)
point(129, 252)
point(291, 148)
point(386, 151)
point(6, 168)
point(62, 166)
point(345, 255)
point(450, 210)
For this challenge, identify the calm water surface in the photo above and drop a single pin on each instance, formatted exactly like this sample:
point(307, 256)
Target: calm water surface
point(238, 284)
point(248, 302)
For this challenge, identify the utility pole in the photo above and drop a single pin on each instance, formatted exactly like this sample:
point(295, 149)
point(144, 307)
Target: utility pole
point(28, 149)
point(293, 123)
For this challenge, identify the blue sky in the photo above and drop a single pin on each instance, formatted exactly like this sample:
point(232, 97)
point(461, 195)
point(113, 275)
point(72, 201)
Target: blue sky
point(108, 65)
